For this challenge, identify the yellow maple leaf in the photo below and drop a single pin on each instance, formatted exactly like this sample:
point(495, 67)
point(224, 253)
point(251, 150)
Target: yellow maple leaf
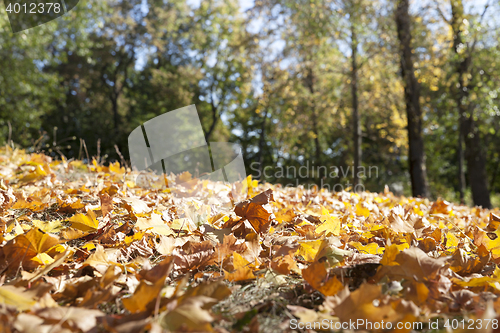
point(451, 241)
point(309, 249)
point(371, 248)
point(242, 270)
point(330, 225)
point(362, 211)
point(85, 222)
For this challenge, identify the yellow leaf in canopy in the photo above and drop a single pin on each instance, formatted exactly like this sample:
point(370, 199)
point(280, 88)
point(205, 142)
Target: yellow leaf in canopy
point(451, 240)
point(330, 225)
point(85, 222)
point(316, 276)
point(362, 211)
point(390, 254)
point(370, 248)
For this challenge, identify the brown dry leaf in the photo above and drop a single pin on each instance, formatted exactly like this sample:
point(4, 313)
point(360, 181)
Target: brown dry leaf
point(151, 283)
point(494, 223)
point(284, 265)
point(317, 276)
point(412, 263)
point(69, 205)
point(400, 224)
point(188, 262)
point(441, 207)
point(72, 318)
point(24, 248)
point(189, 316)
point(136, 205)
point(7, 198)
point(106, 203)
point(464, 264)
point(359, 304)
point(255, 212)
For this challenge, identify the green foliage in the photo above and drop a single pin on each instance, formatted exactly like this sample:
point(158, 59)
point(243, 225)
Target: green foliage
point(275, 79)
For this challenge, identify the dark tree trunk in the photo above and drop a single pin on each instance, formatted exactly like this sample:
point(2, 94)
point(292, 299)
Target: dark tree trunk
point(355, 110)
point(418, 171)
point(469, 133)
point(215, 118)
point(262, 141)
point(314, 117)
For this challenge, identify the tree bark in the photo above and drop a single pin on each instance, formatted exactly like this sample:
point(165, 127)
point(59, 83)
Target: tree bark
point(469, 133)
point(314, 117)
point(215, 118)
point(262, 141)
point(355, 110)
point(418, 171)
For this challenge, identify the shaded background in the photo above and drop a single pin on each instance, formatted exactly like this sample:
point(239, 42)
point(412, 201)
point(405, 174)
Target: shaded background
point(295, 83)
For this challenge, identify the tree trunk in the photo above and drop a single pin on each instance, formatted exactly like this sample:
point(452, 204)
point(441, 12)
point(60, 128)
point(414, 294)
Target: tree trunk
point(314, 117)
point(461, 158)
point(262, 141)
point(215, 118)
point(469, 133)
point(355, 110)
point(418, 171)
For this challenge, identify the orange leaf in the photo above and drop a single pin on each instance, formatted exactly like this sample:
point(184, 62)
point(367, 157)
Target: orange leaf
point(316, 276)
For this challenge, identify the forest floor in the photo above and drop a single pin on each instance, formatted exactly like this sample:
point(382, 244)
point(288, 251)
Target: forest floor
point(94, 248)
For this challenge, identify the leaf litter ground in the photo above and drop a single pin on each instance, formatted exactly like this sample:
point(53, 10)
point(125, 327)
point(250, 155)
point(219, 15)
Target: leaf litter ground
point(93, 248)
